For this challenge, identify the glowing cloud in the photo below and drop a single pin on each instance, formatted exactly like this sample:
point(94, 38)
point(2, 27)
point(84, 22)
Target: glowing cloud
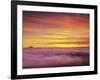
point(48, 29)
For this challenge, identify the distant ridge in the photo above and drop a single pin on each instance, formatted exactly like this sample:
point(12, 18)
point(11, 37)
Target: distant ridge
point(55, 47)
point(30, 47)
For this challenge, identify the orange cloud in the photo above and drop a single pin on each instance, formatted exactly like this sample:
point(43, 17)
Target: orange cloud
point(46, 29)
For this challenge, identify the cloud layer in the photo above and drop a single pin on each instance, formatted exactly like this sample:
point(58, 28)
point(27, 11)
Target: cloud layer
point(41, 29)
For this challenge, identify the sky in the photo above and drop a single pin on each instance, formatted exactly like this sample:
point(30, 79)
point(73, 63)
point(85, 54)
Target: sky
point(55, 30)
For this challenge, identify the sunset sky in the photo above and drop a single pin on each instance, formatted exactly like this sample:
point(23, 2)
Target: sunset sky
point(50, 30)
